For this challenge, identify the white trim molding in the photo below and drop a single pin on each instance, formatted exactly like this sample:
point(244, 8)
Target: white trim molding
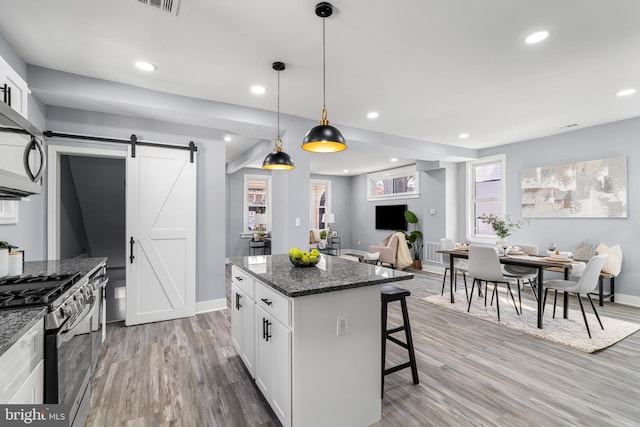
point(211, 305)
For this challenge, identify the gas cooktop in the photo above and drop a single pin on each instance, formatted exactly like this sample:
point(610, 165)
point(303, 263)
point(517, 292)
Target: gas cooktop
point(21, 291)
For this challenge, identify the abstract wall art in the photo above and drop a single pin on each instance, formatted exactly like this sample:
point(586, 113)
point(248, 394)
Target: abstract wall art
point(590, 189)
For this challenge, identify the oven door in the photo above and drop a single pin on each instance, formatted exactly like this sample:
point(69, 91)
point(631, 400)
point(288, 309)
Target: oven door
point(68, 364)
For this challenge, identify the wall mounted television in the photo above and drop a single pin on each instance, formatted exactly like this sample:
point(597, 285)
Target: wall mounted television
point(391, 217)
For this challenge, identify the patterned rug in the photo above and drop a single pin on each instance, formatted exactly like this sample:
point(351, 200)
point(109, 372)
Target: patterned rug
point(570, 332)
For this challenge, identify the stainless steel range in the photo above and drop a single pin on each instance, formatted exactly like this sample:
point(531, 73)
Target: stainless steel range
point(70, 336)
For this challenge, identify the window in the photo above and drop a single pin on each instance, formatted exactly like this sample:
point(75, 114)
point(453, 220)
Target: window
point(485, 191)
point(257, 202)
point(320, 202)
point(398, 183)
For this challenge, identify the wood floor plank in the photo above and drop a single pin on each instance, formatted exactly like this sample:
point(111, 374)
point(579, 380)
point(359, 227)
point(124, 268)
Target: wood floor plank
point(472, 373)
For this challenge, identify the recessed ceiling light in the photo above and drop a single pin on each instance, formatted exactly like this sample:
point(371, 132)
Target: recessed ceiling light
point(227, 138)
point(345, 170)
point(258, 90)
point(373, 115)
point(146, 66)
point(394, 159)
point(463, 135)
point(536, 37)
point(626, 92)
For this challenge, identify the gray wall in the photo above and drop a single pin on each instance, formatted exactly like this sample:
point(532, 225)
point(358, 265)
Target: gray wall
point(73, 236)
point(597, 142)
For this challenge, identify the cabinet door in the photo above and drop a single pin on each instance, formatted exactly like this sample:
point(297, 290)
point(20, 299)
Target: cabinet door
point(264, 353)
point(242, 326)
point(248, 352)
point(14, 89)
point(32, 390)
point(237, 319)
point(281, 368)
point(273, 364)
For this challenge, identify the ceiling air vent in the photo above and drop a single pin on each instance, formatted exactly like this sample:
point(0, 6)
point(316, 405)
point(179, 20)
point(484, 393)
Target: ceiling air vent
point(169, 6)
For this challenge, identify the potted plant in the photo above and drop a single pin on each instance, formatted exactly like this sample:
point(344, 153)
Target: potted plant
point(501, 226)
point(414, 239)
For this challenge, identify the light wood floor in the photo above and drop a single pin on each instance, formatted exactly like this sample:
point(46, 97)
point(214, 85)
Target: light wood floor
point(472, 373)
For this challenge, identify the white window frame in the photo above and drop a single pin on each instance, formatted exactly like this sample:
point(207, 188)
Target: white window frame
point(390, 174)
point(245, 201)
point(327, 198)
point(470, 195)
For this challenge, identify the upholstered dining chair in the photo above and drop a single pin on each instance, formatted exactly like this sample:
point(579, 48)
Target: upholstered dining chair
point(459, 266)
point(484, 266)
point(523, 274)
point(587, 282)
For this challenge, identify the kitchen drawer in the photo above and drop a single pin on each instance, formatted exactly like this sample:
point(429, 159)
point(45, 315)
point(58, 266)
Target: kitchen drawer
point(273, 303)
point(242, 280)
point(17, 363)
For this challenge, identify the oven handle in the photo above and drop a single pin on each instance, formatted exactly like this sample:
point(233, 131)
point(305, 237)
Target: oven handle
point(65, 336)
point(101, 280)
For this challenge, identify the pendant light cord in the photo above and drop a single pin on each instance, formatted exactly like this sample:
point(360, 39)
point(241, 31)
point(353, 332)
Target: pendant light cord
point(324, 67)
point(278, 104)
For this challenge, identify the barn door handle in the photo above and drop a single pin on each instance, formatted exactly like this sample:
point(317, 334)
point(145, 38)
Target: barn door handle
point(131, 257)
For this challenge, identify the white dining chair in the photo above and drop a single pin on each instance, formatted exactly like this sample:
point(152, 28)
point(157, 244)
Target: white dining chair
point(587, 282)
point(523, 274)
point(484, 266)
point(459, 266)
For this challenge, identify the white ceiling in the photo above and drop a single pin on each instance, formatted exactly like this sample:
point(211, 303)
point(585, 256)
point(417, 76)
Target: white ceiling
point(432, 68)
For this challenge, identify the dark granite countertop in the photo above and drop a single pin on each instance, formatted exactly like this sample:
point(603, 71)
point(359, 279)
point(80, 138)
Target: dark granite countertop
point(329, 275)
point(61, 266)
point(15, 322)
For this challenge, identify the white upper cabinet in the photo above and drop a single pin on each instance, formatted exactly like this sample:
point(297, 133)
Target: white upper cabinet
point(13, 89)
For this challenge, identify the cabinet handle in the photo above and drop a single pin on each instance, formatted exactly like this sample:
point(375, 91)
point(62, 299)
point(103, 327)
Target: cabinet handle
point(238, 305)
point(5, 90)
point(266, 301)
point(264, 328)
point(238, 278)
point(267, 335)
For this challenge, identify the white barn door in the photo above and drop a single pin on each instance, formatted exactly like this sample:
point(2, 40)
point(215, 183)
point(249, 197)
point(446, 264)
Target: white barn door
point(161, 235)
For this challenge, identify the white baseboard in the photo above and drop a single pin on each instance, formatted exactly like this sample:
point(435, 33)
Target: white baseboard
point(630, 300)
point(433, 268)
point(211, 305)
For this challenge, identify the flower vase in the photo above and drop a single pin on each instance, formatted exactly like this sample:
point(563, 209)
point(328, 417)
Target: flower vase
point(503, 244)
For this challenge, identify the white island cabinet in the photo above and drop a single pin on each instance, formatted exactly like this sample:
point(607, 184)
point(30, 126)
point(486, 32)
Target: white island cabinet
point(22, 369)
point(310, 372)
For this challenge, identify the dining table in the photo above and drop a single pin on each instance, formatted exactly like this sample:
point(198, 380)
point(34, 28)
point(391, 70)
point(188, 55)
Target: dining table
point(539, 262)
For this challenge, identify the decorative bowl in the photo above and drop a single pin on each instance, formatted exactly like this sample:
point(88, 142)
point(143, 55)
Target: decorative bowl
point(298, 262)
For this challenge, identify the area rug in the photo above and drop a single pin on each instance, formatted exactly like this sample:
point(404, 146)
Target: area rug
point(570, 332)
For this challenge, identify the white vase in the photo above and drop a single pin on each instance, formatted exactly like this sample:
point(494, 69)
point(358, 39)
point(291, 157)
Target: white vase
point(503, 245)
point(4, 262)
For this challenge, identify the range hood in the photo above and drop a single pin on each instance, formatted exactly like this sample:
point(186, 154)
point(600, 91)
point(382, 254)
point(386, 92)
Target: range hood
point(21, 153)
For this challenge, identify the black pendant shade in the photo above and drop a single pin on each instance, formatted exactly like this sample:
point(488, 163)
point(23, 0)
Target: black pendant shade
point(324, 138)
point(278, 159)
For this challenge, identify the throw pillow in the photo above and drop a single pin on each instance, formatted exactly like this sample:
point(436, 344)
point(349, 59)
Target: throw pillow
point(584, 251)
point(613, 264)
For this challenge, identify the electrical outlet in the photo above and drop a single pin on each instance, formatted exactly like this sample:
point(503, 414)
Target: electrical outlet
point(342, 325)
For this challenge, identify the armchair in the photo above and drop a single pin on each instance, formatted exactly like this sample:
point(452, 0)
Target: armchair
point(395, 252)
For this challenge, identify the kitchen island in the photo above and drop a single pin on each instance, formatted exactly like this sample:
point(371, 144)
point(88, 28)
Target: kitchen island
point(310, 336)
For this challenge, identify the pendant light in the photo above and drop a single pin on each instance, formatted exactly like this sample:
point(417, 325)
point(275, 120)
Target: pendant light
point(278, 159)
point(324, 138)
